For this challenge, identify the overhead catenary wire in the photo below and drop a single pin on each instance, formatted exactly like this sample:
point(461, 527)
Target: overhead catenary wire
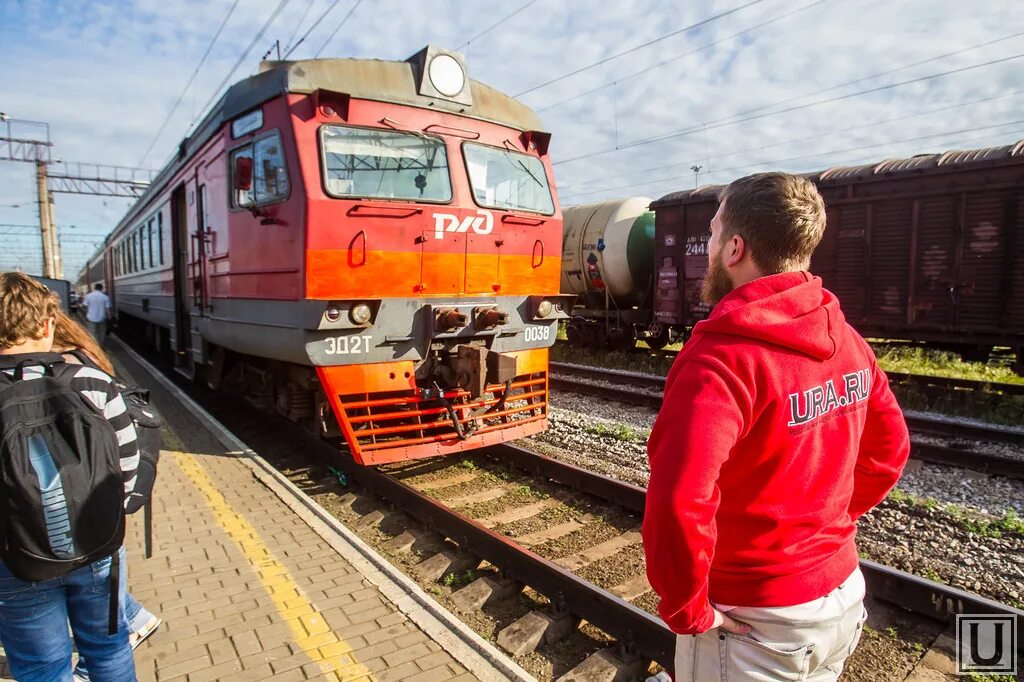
point(832, 152)
point(635, 48)
point(572, 189)
point(496, 24)
point(337, 28)
point(191, 79)
point(872, 76)
point(259, 36)
point(316, 23)
point(696, 129)
point(677, 57)
point(298, 24)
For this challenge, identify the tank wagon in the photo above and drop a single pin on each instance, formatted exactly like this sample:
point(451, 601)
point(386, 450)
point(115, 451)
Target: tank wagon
point(371, 248)
point(607, 259)
point(928, 249)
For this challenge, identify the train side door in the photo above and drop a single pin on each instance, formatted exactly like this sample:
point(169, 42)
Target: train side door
point(199, 240)
point(180, 263)
point(981, 287)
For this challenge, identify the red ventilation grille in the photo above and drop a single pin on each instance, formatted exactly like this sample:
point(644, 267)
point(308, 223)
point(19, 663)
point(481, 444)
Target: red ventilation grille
point(382, 427)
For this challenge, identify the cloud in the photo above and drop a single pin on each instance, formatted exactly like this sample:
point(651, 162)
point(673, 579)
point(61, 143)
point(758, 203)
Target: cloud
point(105, 73)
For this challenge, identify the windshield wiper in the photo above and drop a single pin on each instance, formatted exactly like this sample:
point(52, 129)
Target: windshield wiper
point(521, 164)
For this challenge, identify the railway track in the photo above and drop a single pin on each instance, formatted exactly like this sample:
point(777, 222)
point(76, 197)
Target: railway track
point(412, 489)
point(961, 448)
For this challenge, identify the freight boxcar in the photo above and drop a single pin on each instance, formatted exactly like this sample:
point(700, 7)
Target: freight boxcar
point(928, 249)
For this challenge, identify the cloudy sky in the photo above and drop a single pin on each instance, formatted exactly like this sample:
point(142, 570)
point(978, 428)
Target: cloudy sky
point(634, 92)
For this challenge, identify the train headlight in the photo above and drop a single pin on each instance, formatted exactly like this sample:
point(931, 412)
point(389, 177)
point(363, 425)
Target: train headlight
point(446, 75)
point(361, 313)
point(333, 313)
point(544, 308)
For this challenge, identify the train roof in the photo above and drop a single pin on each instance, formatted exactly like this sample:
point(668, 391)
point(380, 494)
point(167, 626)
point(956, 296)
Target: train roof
point(915, 165)
point(399, 82)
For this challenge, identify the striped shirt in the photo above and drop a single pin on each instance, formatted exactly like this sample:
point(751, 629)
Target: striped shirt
point(99, 391)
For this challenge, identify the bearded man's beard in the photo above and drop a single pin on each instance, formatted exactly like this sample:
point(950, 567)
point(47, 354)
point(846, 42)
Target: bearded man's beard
point(716, 283)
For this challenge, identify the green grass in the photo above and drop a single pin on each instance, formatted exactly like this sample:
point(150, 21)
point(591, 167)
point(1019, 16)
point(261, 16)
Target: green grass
point(942, 364)
point(639, 360)
point(458, 580)
point(992, 407)
point(620, 432)
point(1010, 523)
point(977, 677)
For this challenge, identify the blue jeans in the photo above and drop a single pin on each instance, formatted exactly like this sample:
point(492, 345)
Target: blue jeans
point(137, 617)
point(34, 624)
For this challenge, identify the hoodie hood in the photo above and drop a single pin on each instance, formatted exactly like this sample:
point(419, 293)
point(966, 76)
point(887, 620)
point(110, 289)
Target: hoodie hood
point(790, 309)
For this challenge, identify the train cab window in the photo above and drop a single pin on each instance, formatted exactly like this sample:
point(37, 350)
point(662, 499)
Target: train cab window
point(363, 162)
point(506, 179)
point(269, 172)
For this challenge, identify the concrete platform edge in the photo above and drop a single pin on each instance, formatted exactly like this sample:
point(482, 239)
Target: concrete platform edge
point(466, 646)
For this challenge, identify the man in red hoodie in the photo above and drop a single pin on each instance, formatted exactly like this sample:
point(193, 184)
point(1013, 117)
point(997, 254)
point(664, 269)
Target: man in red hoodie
point(778, 432)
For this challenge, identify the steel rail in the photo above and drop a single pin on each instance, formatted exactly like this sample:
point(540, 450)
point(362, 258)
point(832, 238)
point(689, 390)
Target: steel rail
point(906, 590)
point(646, 390)
point(642, 632)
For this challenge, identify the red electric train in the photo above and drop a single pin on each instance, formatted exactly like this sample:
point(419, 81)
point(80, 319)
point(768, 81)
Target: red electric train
point(371, 248)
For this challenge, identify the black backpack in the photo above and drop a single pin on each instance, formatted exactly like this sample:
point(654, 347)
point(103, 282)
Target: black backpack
point(61, 488)
point(148, 425)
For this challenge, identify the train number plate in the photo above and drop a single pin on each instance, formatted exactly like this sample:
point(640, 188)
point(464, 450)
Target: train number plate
point(348, 345)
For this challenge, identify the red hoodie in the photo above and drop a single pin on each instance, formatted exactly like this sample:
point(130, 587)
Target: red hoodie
point(777, 432)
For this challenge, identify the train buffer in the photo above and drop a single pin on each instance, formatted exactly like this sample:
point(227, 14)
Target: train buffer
point(253, 584)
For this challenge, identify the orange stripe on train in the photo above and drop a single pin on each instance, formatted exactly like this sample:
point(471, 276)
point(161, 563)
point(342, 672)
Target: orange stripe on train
point(337, 273)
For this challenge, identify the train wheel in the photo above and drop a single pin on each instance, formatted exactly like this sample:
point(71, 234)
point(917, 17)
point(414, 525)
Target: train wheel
point(574, 335)
point(975, 353)
point(657, 337)
point(619, 340)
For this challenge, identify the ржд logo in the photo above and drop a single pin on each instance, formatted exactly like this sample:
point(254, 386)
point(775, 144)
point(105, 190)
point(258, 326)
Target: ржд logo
point(482, 223)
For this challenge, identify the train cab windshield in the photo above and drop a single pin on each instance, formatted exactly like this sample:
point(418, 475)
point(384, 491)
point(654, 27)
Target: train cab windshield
point(362, 162)
point(506, 179)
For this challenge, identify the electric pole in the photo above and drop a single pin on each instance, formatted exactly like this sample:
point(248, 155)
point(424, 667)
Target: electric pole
point(696, 171)
point(91, 179)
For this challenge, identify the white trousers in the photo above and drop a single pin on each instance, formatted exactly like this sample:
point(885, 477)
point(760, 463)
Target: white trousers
point(804, 642)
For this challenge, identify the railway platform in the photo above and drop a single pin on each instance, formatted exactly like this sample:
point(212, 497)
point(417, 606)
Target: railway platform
point(253, 583)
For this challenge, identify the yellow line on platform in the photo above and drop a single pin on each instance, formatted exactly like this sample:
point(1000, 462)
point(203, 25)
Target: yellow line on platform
point(311, 632)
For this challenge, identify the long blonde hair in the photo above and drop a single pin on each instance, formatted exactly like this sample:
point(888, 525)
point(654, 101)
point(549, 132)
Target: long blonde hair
point(70, 335)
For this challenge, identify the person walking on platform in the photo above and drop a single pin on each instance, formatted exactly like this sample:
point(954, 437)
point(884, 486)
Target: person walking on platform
point(97, 312)
point(76, 346)
point(777, 432)
point(69, 457)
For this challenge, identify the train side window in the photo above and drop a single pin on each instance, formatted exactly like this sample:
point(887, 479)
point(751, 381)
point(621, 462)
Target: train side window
point(269, 172)
point(270, 176)
point(241, 198)
point(131, 252)
point(148, 240)
point(160, 235)
point(202, 209)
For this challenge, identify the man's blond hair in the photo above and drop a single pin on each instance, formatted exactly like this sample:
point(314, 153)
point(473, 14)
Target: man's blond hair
point(780, 216)
point(24, 305)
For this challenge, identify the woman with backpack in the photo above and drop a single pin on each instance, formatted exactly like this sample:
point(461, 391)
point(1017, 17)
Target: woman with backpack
point(78, 346)
point(68, 460)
